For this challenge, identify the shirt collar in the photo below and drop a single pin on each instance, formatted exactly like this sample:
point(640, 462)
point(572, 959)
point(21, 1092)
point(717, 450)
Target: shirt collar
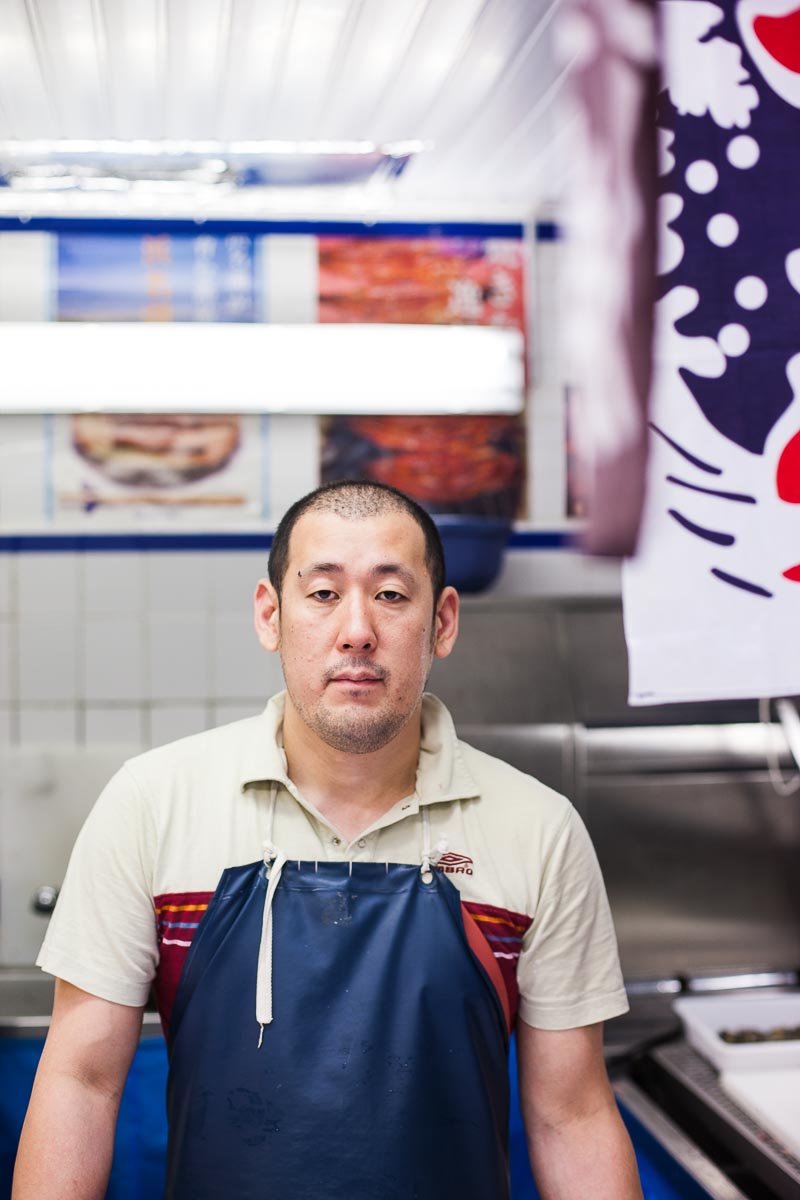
point(442, 773)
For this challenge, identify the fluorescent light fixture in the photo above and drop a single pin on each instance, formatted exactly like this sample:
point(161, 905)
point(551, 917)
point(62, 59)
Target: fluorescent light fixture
point(160, 367)
point(203, 166)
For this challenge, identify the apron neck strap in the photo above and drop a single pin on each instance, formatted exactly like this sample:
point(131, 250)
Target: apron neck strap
point(274, 860)
point(429, 857)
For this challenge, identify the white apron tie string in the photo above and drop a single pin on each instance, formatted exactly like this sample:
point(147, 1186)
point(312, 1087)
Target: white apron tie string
point(274, 860)
point(430, 857)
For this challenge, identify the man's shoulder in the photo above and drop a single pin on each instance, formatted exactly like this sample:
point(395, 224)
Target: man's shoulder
point(500, 784)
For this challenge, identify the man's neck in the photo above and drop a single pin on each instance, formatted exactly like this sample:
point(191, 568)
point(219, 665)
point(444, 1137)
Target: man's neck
point(350, 790)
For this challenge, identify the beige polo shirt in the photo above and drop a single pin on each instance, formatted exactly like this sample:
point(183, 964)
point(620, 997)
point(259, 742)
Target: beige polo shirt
point(152, 850)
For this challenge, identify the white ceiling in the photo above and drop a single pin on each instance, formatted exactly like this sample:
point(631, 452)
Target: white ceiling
point(475, 78)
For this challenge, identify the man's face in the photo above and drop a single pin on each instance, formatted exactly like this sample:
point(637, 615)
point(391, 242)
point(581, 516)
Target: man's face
point(355, 626)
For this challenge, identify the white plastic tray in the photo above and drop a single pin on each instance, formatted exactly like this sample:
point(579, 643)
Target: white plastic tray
point(772, 1098)
point(704, 1017)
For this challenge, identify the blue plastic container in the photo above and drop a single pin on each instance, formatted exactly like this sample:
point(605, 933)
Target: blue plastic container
point(473, 549)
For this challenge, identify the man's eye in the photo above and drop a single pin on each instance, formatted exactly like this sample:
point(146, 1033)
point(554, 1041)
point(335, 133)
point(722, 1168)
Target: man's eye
point(392, 597)
point(324, 594)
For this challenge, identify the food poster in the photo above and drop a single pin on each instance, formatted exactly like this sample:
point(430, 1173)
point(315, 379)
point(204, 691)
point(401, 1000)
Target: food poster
point(113, 470)
point(712, 599)
point(450, 464)
point(126, 470)
point(157, 277)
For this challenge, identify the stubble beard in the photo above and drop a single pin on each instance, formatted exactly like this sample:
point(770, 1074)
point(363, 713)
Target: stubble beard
point(362, 731)
point(361, 734)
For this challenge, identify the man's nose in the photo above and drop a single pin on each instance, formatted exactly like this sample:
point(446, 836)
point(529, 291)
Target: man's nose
point(356, 632)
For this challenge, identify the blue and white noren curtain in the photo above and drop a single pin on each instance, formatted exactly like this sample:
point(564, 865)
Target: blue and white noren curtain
point(712, 601)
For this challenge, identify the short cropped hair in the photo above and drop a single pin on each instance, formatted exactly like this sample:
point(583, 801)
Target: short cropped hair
point(354, 499)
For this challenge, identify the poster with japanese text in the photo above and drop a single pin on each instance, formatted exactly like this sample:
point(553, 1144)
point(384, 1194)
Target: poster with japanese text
point(156, 277)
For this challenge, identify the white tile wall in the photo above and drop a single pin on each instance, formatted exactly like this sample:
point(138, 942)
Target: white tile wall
point(48, 726)
point(178, 656)
point(170, 722)
point(121, 725)
point(48, 657)
point(7, 631)
point(114, 666)
point(241, 669)
point(177, 582)
point(48, 583)
point(226, 711)
point(233, 577)
point(128, 648)
point(114, 583)
point(7, 570)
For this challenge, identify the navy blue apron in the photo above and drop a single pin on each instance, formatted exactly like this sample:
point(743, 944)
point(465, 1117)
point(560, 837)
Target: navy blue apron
point(382, 1073)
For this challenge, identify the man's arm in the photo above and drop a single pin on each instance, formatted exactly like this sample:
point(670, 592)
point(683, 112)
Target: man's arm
point(577, 1142)
point(67, 1141)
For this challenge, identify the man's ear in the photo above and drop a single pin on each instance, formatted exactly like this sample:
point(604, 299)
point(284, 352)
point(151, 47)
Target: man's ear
point(446, 623)
point(266, 613)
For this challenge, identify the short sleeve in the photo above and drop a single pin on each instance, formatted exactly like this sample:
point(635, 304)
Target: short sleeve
point(569, 973)
point(102, 934)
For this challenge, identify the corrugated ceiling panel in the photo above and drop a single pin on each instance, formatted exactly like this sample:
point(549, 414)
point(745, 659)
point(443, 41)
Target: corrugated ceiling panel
point(306, 67)
point(72, 51)
point(500, 28)
point(25, 110)
point(473, 76)
point(503, 104)
point(379, 40)
point(196, 56)
point(136, 51)
point(259, 35)
point(439, 41)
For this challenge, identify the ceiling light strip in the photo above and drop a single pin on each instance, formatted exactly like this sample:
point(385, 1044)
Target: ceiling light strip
point(315, 369)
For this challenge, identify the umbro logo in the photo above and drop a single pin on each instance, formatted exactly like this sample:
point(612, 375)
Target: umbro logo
point(455, 864)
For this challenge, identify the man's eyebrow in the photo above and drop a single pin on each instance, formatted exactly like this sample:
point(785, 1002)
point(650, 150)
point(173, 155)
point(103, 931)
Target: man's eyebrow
point(322, 568)
point(332, 568)
point(395, 569)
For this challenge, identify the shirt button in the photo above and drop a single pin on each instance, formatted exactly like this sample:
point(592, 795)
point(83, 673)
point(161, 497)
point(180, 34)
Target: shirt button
point(362, 842)
point(336, 841)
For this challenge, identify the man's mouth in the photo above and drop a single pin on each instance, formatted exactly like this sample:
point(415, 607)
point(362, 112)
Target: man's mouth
point(357, 674)
point(357, 678)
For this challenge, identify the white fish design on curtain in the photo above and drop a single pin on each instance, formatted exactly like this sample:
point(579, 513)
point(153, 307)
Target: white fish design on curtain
point(712, 600)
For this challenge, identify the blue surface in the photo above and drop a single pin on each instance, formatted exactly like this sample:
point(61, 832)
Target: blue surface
point(141, 1143)
point(140, 1150)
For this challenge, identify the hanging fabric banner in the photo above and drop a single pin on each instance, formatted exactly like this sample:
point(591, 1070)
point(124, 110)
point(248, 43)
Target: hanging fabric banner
point(607, 309)
point(713, 597)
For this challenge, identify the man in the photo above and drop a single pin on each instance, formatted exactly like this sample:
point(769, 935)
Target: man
point(337, 1013)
